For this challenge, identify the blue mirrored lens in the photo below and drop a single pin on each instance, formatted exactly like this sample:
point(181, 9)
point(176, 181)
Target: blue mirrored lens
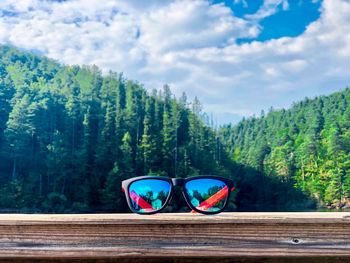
point(207, 194)
point(149, 195)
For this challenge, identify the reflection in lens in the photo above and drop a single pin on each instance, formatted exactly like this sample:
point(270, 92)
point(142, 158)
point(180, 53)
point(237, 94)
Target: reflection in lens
point(149, 195)
point(207, 194)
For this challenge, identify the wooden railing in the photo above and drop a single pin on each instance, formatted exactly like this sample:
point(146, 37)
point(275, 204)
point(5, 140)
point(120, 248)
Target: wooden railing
point(227, 237)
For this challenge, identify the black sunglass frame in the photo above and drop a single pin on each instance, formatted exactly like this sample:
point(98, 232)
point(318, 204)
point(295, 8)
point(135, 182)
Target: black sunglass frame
point(180, 182)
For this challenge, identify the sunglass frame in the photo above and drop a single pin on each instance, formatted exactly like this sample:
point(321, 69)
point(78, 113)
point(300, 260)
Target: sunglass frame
point(180, 182)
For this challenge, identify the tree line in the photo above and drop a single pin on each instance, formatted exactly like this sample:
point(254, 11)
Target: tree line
point(307, 146)
point(69, 135)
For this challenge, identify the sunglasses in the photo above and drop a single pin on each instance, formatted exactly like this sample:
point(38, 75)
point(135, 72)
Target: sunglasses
point(204, 194)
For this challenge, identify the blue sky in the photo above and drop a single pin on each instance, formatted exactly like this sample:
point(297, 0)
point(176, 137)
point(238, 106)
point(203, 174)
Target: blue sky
point(237, 56)
point(283, 18)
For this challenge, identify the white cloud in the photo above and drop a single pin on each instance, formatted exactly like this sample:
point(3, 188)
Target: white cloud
point(3, 32)
point(243, 2)
point(190, 45)
point(268, 8)
point(193, 24)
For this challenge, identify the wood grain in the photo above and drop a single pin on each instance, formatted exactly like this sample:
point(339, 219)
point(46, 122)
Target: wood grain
point(227, 237)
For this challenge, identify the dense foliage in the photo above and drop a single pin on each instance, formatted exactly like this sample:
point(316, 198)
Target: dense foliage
point(69, 135)
point(307, 146)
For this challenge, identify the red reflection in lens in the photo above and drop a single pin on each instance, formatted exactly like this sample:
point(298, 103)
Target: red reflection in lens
point(142, 203)
point(211, 201)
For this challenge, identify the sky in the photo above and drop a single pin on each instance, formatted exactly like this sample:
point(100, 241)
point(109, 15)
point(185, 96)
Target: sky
point(238, 56)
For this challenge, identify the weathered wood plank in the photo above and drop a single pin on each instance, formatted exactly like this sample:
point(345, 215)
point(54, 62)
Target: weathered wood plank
point(228, 237)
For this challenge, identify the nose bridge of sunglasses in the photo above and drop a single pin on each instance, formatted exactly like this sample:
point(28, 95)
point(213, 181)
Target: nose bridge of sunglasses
point(178, 181)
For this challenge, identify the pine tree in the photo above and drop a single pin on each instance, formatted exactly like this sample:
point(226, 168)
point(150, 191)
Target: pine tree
point(127, 165)
point(19, 134)
point(148, 143)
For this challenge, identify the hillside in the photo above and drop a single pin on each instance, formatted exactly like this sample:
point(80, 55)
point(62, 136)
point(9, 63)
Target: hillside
point(307, 146)
point(69, 135)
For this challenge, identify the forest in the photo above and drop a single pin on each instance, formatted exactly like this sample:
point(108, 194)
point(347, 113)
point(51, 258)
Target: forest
point(307, 145)
point(69, 135)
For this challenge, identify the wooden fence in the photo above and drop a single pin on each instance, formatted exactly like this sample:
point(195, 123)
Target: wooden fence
point(227, 237)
